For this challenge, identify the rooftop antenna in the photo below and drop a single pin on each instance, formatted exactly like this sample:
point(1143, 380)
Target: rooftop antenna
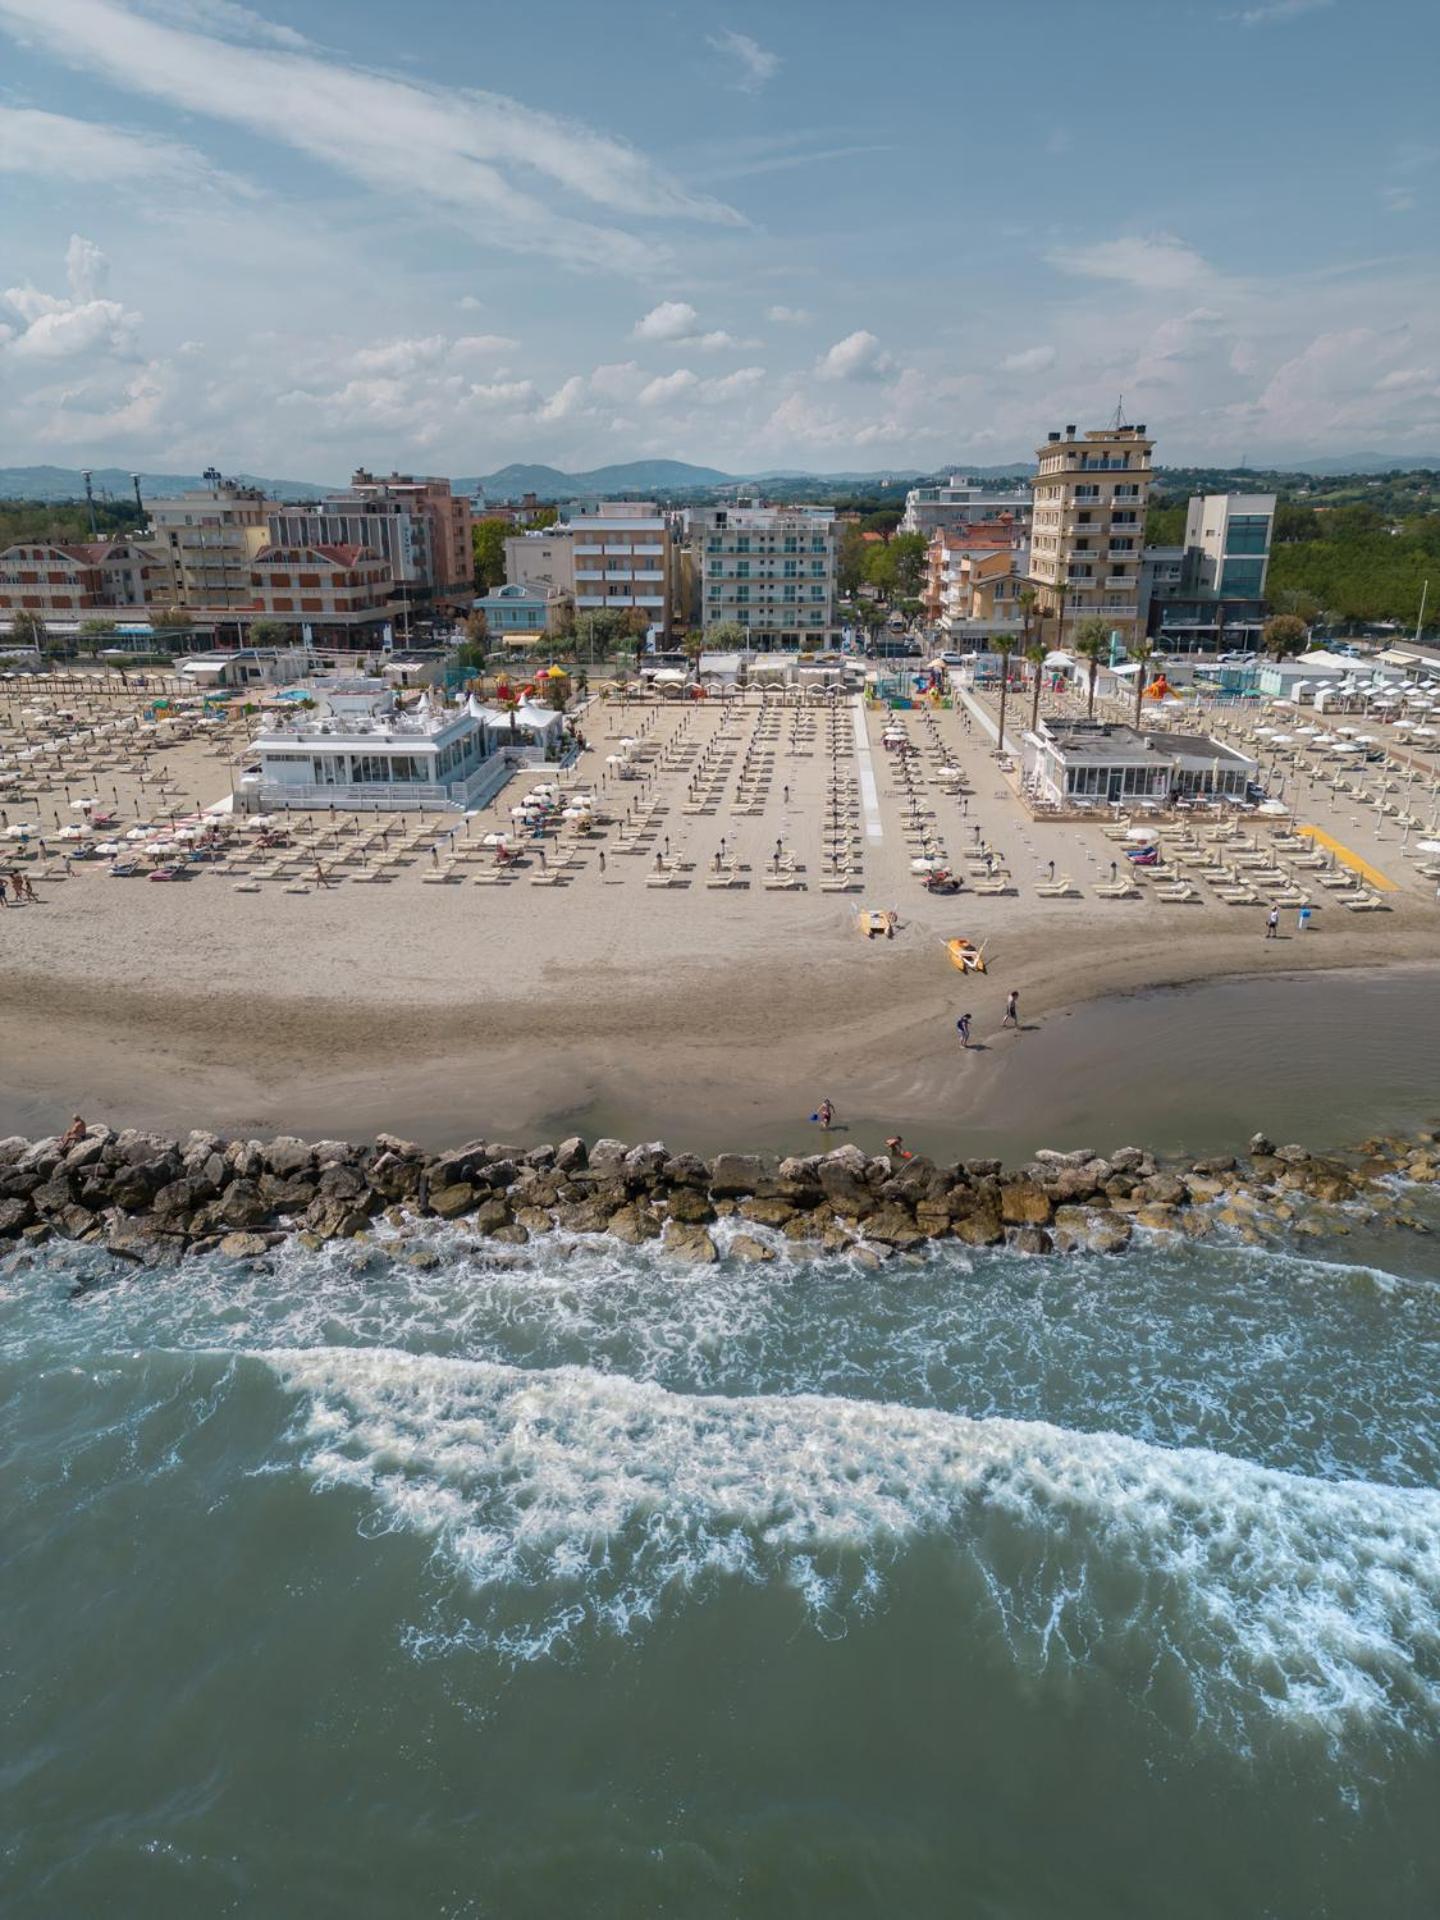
point(1119, 420)
point(90, 502)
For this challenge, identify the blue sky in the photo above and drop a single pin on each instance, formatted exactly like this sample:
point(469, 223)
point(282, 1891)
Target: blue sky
point(820, 235)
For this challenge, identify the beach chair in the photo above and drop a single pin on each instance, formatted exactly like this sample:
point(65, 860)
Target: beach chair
point(1061, 888)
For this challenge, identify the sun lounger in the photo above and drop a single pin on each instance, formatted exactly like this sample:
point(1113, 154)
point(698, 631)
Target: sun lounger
point(782, 882)
point(1061, 889)
point(995, 883)
point(1121, 890)
point(1177, 895)
point(1365, 903)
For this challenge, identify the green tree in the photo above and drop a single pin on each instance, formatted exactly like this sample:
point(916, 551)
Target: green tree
point(850, 559)
point(1092, 643)
point(487, 540)
point(1004, 645)
point(1285, 635)
point(97, 629)
point(724, 636)
point(270, 633)
point(880, 568)
point(477, 628)
point(909, 552)
point(171, 620)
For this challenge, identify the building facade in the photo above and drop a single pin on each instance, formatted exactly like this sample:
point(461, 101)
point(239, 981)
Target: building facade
point(974, 576)
point(78, 580)
point(1090, 763)
point(328, 586)
point(622, 561)
point(211, 537)
point(1091, 492)
point(1210, 593)
point(516, 609)
point(545, 559)
point(770, 570)
point(961, 502)
point(417, 527)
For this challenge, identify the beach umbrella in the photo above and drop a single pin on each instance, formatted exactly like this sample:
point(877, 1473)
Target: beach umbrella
point(1427, 846)
point(1140, 833)
point(108, 847)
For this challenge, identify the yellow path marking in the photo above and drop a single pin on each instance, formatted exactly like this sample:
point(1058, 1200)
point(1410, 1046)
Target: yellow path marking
point(1352, 860)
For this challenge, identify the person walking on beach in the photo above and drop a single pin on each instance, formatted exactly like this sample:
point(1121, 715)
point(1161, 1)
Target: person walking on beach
point(602, 859)
point(4, 902)
point(1302, 920)
point(962, 1027)
point(1272, 924)
point(1012, 1010)
point(320, 879)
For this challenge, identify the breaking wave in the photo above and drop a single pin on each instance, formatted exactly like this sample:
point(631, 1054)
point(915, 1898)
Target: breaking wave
point(565, 1501)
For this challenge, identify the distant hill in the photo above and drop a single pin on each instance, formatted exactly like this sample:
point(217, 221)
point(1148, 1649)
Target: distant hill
point(68, 483)
point(632, 476)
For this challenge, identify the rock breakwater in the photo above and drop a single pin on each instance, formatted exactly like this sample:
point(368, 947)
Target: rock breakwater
point(153, 1200)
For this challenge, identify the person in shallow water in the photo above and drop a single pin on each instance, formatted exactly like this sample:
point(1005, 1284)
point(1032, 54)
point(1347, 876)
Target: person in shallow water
point(825, 1114)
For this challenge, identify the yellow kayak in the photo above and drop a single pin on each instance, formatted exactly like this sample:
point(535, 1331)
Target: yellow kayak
point(965, 955)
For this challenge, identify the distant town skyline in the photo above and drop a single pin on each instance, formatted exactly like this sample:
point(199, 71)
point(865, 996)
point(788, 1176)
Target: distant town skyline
point(314, 236)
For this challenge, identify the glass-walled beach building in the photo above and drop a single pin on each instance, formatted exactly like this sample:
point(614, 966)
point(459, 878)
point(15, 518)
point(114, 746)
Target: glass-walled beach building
point(361, 748)
point(1092, 764)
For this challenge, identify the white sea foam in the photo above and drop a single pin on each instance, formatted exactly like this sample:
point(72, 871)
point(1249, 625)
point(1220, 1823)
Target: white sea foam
point(569, 1499)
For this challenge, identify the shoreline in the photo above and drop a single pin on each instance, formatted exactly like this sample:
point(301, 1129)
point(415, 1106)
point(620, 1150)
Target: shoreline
point(155, 1201)
point(633, 1058)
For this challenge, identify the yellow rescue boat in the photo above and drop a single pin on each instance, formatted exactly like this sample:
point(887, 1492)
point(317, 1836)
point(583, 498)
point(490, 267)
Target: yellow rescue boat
point(965, 955)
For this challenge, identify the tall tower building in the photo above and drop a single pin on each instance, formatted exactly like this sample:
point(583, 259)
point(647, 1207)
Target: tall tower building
point(1091, 492)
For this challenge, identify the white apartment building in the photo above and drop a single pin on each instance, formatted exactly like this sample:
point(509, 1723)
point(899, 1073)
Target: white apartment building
point(541, 559)
point(1088, 533)
point(210, 538)
point(622, 560)
point(769, 569)
point(960, 502)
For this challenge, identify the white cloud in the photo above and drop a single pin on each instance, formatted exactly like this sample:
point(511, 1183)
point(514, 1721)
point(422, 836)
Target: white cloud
point(464, 155)
point(53, 146)
point(1155, 263)
point(1408, 380)
point(667, 386)
point(58, 327)
point(858, 356)
point(675, 323)
point(757, 64)
point(789, 316)
point(566, 399)
point(671, 320)
point(1029, 360)
point(1398, 199)
point(1276, 12)
point(730, 386)
point(469, 303)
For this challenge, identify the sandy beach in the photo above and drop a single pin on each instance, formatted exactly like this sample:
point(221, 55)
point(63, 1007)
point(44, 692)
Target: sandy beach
point(450, 1009)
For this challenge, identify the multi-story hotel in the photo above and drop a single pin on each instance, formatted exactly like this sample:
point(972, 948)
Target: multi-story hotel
point(325, 586)
point(961, 503)
point(418, 527)
point(70, 581)
point(1089, 526)
point(622, 561)
point(211, 536)
point(769, 569)
point(973, 579)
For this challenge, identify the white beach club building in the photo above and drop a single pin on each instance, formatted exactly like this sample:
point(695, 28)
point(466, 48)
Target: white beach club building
point(361, 749)
point(1091, 763)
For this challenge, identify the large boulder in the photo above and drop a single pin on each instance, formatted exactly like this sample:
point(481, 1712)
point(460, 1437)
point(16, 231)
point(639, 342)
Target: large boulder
point(690, 1243)
point(691, 1206)
point(287, 1156)
point(1023, 1203)
point(735, 1174)
point(571, 1155)
point(634, 1224)
point(450, 1202)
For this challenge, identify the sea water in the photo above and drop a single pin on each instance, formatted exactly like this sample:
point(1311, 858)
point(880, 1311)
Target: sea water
point(565, 1581)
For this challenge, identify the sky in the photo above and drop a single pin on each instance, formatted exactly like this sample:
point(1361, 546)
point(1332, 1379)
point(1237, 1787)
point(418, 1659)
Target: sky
point(825, 235)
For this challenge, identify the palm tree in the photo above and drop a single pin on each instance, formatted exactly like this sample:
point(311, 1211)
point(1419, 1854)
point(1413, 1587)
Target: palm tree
point(1035, 653)
point(1062, 587)
point(1004, 645)
point(1140, 653)
point(1092, 643)
point(1027, 599)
